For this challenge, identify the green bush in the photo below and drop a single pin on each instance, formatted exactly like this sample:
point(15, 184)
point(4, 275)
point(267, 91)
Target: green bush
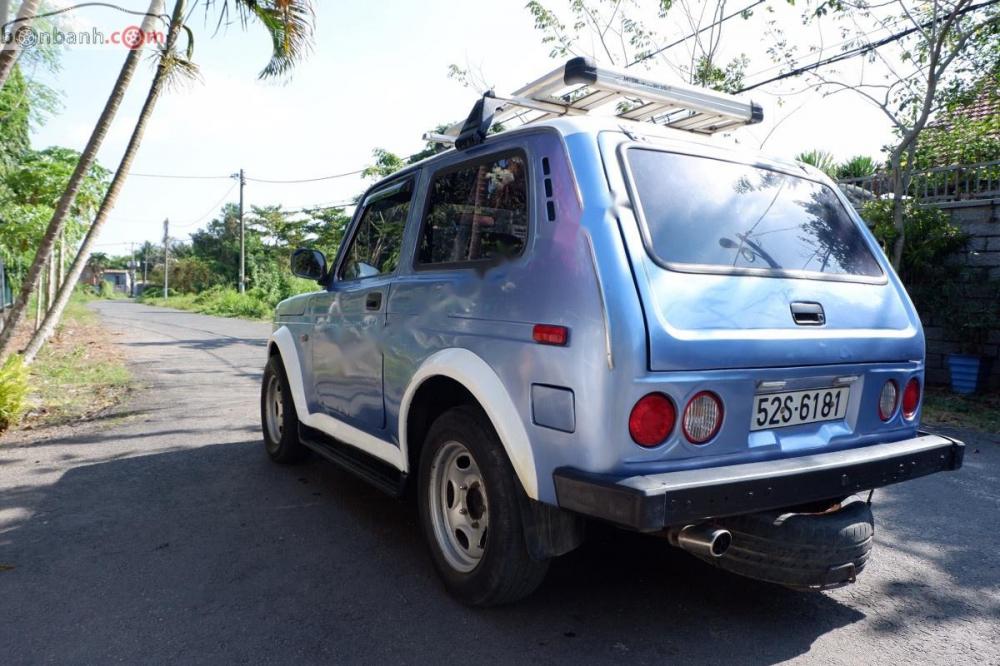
point(106, 290)
point(820, 159)
point(930, 240)
point(859, 166)
point(13, 391)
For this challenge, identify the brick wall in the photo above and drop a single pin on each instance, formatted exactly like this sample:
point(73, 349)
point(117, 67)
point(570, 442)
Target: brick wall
point(981, 220)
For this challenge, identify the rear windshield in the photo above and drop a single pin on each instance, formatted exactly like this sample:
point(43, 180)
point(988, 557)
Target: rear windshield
point(714, 213)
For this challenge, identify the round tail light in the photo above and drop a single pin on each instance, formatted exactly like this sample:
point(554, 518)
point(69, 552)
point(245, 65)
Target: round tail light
point(652, 420)
point(911, 398)
point(702, 417)
point(887, 400)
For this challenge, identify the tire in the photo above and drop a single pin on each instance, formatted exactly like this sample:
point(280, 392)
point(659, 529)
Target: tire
point(278, 419)
point(812, 551)
point(469, 501)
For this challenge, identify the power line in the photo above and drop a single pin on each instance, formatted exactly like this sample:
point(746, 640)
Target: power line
point(722, 20)
point(861, 50)
point(256, 180)
point(306, 180)
point(209, 211)
point(180, 176)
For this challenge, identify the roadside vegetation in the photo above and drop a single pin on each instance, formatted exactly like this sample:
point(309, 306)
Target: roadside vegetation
point(980, 411)
point(77, 377)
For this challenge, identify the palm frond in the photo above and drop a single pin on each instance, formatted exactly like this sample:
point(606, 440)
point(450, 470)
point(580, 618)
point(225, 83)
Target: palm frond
point(289, 23)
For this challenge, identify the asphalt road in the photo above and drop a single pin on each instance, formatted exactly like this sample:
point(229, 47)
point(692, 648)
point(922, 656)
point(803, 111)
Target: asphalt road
point(169, 537)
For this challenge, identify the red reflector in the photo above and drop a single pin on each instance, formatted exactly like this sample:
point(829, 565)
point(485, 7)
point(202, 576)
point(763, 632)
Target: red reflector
point(911, 398)
point(547, 334)
point(652, 420)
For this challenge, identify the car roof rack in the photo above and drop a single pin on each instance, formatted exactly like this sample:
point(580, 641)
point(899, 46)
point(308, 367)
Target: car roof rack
point(580, 87)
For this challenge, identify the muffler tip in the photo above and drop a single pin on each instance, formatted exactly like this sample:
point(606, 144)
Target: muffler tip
point(721, 542)
point(702, 540)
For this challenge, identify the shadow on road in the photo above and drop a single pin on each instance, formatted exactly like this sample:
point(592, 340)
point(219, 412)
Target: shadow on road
point(214, 553)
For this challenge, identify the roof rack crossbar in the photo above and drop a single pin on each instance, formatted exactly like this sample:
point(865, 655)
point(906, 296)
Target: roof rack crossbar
point(580, 87)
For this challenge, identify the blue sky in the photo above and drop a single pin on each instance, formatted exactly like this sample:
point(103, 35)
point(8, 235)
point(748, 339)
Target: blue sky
point(377, 78)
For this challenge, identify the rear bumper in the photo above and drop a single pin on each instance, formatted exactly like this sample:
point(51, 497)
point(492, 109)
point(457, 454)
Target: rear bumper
point(652, 502)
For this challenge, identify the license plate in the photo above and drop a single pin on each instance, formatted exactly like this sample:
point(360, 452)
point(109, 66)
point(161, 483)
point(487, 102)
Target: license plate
point(779, 410)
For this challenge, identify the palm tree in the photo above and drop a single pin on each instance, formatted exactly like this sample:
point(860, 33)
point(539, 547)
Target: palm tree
point(290, 38)
point(66, 201)
point(8, 56)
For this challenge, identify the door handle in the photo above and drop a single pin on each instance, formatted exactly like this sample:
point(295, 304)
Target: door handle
point(373, 300)
point(805, 313)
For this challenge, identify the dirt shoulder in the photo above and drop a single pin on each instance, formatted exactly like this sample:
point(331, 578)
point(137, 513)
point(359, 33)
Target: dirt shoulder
point(76, 382)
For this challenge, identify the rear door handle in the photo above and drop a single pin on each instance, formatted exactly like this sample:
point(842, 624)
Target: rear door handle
point(808, 313)
point(373, 300)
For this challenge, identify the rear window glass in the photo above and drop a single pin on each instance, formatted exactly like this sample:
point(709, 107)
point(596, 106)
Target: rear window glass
point(722, 214)
point(477, 212)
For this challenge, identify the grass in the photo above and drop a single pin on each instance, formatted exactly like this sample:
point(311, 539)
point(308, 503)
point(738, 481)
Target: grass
point(980, 411)
point(218, 301)
point(79, 373)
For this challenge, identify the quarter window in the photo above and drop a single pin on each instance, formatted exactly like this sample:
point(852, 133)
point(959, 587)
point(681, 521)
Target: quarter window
point(476, 213)
point(376, 244)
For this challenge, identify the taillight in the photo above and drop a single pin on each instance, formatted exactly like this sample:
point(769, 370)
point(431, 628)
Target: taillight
point(911, 398)
point(548, 334)
point(887, 400)
point(652, 420)
point(702, 417)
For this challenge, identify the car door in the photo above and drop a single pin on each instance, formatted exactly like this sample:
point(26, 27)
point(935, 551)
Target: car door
point(348, 336)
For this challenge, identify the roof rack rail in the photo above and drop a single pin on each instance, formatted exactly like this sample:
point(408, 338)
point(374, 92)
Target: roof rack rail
point(580, 87)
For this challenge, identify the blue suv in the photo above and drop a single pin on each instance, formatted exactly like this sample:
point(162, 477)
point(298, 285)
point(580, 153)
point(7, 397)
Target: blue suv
point(595, 317)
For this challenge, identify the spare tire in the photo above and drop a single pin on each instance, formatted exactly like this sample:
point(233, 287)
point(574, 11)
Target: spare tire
point(814, 551)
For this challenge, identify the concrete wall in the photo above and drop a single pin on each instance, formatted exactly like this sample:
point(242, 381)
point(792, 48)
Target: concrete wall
point(981, 220)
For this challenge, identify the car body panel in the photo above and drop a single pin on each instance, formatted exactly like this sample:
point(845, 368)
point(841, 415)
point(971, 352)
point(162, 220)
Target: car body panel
point(635, 327)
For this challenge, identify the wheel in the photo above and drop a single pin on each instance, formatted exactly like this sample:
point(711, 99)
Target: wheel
point(814, 550)
point(471, 514)
point(278, 419)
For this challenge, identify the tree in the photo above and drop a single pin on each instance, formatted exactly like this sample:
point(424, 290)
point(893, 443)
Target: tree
point(936, 53)
point(11, 49)
point(87, 158)
point(288, 22)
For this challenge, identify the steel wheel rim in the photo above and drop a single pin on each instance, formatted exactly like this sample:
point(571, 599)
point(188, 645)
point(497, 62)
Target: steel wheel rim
point(458, 506)
point(274, 410)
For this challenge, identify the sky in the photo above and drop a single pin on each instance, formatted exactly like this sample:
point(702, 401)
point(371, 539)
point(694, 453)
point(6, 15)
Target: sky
point(377, 77)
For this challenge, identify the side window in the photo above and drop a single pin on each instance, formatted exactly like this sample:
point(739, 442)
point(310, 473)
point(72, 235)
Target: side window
point(477, 212)
point(375, 246)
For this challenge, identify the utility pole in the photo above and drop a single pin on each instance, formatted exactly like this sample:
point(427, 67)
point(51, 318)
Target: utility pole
point(243, 244)
point(166, 255)
point(131, 270)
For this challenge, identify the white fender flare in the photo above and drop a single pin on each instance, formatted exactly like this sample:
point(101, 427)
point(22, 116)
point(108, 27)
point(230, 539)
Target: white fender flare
point(335, 428)
point(482, 382)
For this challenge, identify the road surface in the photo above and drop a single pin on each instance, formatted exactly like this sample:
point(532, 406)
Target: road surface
point(168, 536)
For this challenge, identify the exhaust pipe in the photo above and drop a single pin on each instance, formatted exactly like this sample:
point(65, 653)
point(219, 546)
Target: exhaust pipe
point(701, 540)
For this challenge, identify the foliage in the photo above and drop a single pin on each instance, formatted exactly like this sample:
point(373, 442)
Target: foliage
point(220, 301)
point(13, 391)
point(859, 166)
point(289, 24)
point(385, 164)
point(931, 241)
point(29, 193)
point(105, 289)
point(820, 159)
point(969, 311)
point(959, 140)
point(80, 373)
point(979, 410)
